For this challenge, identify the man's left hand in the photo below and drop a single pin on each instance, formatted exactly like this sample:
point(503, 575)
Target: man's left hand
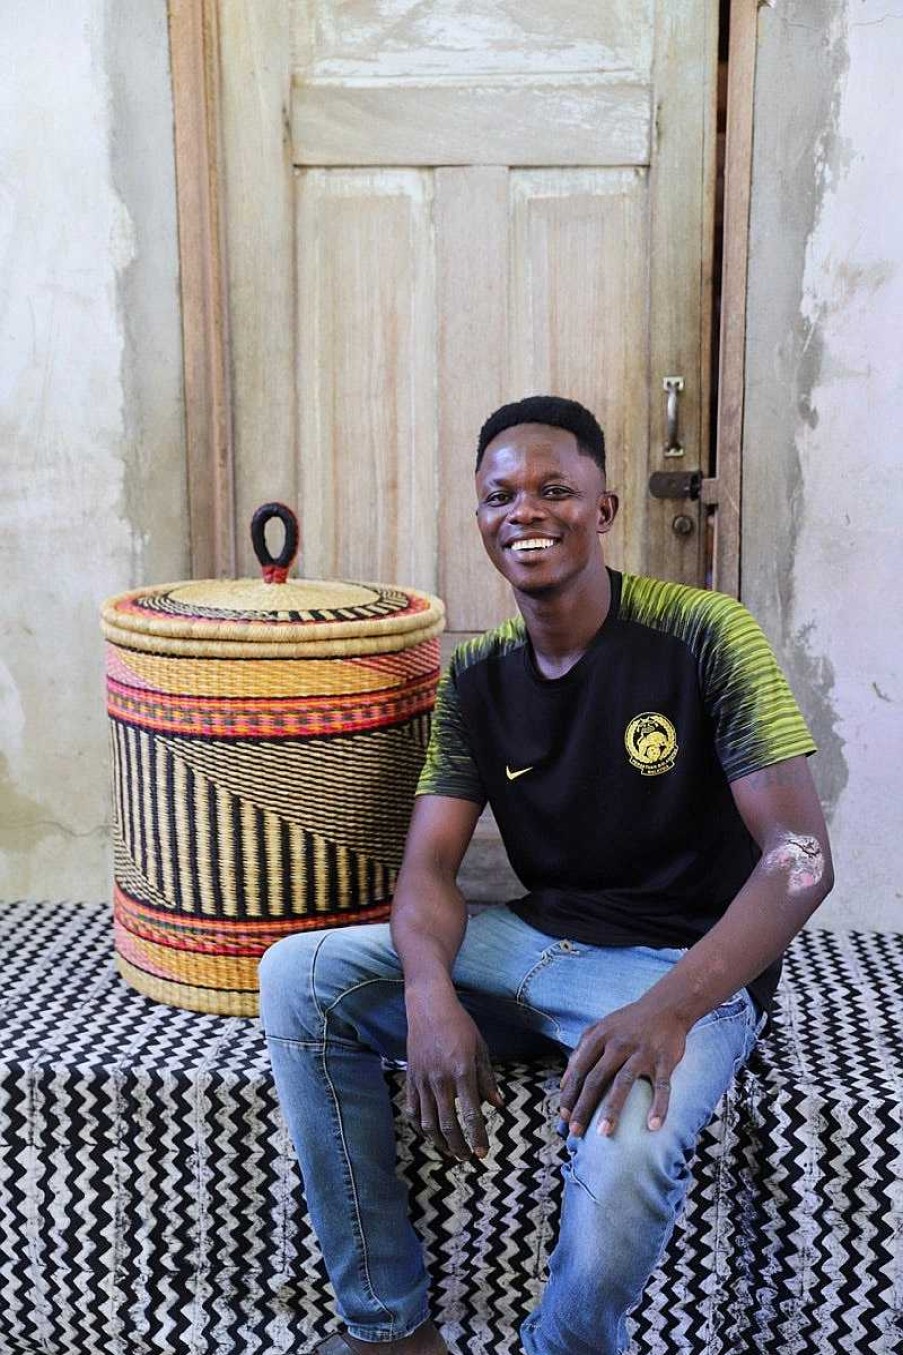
point(636, 1041)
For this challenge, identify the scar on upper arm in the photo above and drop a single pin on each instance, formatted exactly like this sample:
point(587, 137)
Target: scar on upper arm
point(798, 856)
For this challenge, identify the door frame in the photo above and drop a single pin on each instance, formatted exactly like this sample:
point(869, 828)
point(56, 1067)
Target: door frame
point(206, 349)
point(220, 279)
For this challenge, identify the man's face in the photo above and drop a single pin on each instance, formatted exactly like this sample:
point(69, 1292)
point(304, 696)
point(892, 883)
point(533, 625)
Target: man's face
point(541, 506)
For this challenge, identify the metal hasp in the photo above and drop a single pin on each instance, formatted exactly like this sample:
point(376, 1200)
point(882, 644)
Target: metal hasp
point(672, 385)
point(675, 484)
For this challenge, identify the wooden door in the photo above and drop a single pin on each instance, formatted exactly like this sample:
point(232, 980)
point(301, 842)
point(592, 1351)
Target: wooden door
point(433, 207)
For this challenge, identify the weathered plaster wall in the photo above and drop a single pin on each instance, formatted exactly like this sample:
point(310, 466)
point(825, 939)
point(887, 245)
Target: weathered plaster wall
point(823, 496)
point(92, 494)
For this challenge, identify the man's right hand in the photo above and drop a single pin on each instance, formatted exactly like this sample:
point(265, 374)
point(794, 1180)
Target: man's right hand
point(449, 1073)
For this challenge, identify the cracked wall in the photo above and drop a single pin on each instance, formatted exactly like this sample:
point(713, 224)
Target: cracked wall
point(91, 441)
point(821, 496)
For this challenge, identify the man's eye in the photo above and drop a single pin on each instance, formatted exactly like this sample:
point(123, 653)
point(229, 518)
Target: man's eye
point(492, 500)
point(556, 491)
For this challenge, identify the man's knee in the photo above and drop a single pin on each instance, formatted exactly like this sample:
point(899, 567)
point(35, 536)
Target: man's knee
point(635, 1170)
point(303, 975)
point(289, 1007)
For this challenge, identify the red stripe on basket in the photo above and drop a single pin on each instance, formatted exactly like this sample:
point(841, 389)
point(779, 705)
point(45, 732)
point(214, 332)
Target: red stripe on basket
point(262, 717)
point(219, 936)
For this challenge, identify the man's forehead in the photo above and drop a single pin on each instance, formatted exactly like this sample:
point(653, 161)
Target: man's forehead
point(533, 436)
point(540, 446)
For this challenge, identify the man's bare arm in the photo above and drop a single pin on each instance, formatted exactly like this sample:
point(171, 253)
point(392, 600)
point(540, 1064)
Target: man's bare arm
point(428, 911)
point(795, 873)
point(448, 1062)
point(646, 1039)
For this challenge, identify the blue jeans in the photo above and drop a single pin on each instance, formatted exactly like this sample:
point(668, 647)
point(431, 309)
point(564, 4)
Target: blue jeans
point(332, 1004)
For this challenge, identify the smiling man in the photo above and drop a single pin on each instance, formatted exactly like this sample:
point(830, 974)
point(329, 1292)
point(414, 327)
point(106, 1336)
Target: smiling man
point(646, 764)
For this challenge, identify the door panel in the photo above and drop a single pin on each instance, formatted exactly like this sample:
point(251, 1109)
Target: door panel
point(492, 199)
point(558, 318)
point(472, 249)
point(579, 302)
point(366, 378)
point(397, 39)
point(549, 120)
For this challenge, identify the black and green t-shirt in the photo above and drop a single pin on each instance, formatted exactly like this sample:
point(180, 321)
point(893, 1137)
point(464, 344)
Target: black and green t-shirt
point(611, 784)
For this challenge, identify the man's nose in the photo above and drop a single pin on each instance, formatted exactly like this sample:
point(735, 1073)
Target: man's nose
point(525, 507)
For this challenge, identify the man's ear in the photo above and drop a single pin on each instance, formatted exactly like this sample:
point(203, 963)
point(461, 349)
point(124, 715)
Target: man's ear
point(608, 511)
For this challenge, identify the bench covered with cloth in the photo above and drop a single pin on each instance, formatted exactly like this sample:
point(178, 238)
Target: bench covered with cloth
point(150, 1203)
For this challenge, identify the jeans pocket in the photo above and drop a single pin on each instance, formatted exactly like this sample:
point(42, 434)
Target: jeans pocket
point(740, 1004)
point(741, 1009)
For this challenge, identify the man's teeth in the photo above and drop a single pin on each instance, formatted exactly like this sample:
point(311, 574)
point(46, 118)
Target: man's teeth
point(532, 543)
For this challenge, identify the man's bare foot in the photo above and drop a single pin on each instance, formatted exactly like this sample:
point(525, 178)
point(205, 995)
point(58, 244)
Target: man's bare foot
point(424, 1341)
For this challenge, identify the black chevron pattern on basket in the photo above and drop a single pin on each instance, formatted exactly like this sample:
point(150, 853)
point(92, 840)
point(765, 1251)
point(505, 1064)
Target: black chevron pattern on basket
point(226, 854)
point(354, 789)
point(150, 1204)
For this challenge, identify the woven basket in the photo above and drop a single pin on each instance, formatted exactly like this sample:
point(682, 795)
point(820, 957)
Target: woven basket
point(266, 741)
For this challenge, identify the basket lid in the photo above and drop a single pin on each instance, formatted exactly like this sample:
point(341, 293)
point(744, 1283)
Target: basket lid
point(274, 616)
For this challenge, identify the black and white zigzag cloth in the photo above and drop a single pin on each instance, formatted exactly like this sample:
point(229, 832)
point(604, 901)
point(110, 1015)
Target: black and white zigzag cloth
point(149, 1202)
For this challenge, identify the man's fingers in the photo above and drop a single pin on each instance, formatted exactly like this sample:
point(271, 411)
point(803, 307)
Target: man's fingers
point(620, 1089)
point(661, 1097)
point(571, 1090)
point(581, 1095)
point(584, 1061)
point(411, 1100)
point(612, 1082)
point(449, 1112)
point(470, 1114)
point(474, 1130)
point(581, 1060)
point(609, 1059)
point(584, 1080)
point(444, 1094)
point(454, 1137)
point(428, 1118)
point(591, 1093)
point(488, 1087)
point(460, 1117)
point(429, 1125)
point(567, 1086)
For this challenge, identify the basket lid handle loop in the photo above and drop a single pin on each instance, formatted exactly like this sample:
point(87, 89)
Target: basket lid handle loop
point(274, 570)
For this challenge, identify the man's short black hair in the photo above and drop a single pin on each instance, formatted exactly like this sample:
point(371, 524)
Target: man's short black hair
point(548, 409)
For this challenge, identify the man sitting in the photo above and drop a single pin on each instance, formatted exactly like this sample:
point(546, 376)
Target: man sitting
point(646, 764)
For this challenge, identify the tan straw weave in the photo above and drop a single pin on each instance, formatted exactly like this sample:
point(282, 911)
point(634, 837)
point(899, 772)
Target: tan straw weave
point(266, 742)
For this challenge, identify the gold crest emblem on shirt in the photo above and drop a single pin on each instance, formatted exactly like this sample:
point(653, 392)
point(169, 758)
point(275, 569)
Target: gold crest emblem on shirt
point(651, 743)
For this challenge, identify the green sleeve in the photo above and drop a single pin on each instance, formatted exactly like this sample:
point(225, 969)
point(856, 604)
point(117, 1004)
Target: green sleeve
point(450, 768)
point(757, 721)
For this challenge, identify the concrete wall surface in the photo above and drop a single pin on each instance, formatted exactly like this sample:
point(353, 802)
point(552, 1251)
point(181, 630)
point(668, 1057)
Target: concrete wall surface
point(92, 480)
point(822, 489)
point(92, 464)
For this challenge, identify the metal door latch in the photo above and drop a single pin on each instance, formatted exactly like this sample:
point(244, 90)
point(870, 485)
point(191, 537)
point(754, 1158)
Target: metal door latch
point(675, 484)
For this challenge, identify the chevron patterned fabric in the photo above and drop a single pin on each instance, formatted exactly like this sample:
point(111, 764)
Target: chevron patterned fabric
point(149, 1201)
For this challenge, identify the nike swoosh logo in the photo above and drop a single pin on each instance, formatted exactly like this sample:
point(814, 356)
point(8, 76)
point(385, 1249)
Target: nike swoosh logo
point(512, 776)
